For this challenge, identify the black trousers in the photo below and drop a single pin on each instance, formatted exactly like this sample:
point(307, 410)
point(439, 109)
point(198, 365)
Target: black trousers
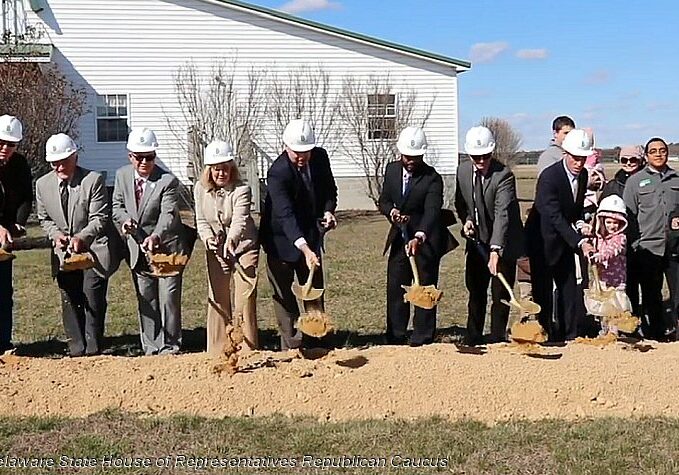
point(567, 303)
point(632, 283)
point(651, 269)
point(83, 308)
point(281, 276)
point(477, 277)
point(6, 303)
point(400, 273)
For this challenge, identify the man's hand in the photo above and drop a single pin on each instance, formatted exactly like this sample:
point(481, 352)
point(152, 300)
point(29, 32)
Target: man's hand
point(586, 229)
point(151, 243)
point(211, 244)
point(413, 247)
point(397, 217)
point(587, 249)
point(128, 227)
point(329, 221)
point(468, 229)
point(493, 261)
point(310, 257)
point(77, 244)
point(5, 238)
point(61, 241)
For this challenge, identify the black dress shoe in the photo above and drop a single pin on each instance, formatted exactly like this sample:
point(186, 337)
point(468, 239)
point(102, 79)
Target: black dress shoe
point(415, 344)
point(393, 340)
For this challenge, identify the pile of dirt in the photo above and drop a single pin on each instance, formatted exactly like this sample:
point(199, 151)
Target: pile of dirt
point(576, 381)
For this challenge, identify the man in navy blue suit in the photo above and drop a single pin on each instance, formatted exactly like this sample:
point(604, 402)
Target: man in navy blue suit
point(411, 198)
point(556, 234)
point(300, 204)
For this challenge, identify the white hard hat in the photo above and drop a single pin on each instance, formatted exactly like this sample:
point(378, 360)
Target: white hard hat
point(299, 136)
point(142, 140)
point(612, 204)
point(578, 143)
point(10, 129)
point(59, 147)
point(412, 142)
point(479, 141)
point(218, 151)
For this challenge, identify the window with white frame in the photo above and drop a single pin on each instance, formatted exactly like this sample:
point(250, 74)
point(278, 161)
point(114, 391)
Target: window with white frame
point(112, 118)
point(381, 116)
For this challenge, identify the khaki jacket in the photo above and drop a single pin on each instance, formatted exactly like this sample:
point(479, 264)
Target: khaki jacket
point(227, 210)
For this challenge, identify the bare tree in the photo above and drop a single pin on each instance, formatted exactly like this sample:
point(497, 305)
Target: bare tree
point(45, 101)
point(214, 107)
point(306, 93)
point(507, 139)
point(373, 113)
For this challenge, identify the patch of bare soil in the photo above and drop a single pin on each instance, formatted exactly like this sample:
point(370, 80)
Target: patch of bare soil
point(503, 382)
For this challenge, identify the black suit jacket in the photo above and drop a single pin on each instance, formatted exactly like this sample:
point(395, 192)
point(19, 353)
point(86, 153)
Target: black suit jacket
point(290, 210)
point(550, 223)
point(422, 203)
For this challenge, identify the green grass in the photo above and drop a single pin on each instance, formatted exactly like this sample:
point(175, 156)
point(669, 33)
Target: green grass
point(605, 446)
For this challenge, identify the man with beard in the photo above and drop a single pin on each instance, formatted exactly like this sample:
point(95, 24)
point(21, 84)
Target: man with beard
point(411, 198)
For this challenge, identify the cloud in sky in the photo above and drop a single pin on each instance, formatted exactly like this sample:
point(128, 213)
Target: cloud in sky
point(541, 53)
point(598, 77)
point(487, 52)
point(299, 6)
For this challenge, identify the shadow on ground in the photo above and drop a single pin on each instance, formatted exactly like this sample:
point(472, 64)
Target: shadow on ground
point(194, 342)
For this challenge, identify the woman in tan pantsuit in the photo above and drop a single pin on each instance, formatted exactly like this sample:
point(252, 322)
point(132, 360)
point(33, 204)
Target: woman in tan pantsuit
point(230, 236)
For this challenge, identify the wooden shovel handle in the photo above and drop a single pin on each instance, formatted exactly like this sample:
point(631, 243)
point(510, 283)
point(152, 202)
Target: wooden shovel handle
point(309, 279)
point(507, 286)
point(413, 266)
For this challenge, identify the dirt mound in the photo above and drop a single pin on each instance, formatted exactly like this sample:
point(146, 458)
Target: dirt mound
point(621, 379)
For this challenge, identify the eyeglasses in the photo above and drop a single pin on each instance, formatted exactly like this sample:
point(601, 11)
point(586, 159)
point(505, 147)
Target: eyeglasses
point(657, 151)
point(5, 143)
point(141, 158)
point(480, 158)
point(630, 160)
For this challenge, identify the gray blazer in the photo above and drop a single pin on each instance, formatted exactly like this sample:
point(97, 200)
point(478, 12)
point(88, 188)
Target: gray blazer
point(499, 193)
point(158, 211)
point(88, 217)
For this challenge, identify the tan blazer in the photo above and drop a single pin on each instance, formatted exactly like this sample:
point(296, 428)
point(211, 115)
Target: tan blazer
point(88, 217)
point(226, 209)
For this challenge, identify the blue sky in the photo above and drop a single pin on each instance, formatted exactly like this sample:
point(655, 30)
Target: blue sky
point(610, 65)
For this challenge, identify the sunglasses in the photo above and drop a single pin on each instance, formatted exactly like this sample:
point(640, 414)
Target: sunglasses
point(141, 158)
point(5, 143)
point(480, 158)
point(630, 160)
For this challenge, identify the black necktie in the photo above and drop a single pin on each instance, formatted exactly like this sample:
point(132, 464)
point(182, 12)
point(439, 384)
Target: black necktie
point(482, 216)
point(63, 192)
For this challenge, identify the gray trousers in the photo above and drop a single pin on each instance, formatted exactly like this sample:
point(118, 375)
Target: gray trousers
point(281, 276)
point(83, 309)
point(160, 313)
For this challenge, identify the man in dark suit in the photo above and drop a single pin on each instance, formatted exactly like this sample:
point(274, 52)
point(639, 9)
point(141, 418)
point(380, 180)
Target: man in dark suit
point(486, 203)
point(556, 234)
point(300, 205)
point(412, 197)
point(145, 208)
point(16, 201)
point(73, 210)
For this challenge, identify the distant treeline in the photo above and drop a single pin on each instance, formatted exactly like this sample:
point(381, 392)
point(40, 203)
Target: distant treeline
point(608, 155)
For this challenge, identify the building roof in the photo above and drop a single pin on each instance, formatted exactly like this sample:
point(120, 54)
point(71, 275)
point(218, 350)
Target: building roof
point(458, 64)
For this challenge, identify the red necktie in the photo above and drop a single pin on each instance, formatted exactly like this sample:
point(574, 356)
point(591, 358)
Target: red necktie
point(138, 189)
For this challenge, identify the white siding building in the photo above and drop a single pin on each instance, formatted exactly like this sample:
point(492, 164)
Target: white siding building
point(125, 53)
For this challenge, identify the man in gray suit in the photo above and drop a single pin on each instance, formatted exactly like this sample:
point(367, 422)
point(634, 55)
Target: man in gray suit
point(486, 203)
point(73, 210)
point(145, 208)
